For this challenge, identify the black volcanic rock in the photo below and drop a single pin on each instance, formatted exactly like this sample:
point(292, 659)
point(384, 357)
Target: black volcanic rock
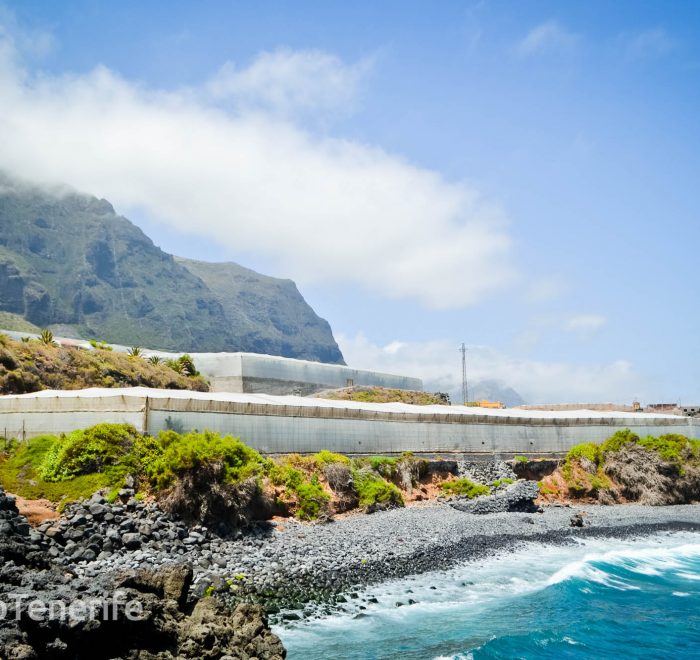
point(67, 259)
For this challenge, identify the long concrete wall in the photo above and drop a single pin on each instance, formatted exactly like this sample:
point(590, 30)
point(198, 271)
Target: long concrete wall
point(291, 424)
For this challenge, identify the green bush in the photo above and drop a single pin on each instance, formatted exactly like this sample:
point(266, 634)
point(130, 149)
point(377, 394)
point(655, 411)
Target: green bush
point(521, 459)
point(312, 499)
point(464, 487)
point(374, 490)
point(383, 464)
point(89, 451)
point(617, 440)
point(285, 475)
point(20, 474)
point(588, 450)
point(173, 454)
point(672, 447)
point(325, 457)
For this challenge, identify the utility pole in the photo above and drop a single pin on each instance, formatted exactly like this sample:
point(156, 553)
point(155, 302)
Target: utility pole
point(465, 388)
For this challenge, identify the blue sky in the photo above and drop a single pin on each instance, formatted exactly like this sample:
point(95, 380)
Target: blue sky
point(518, 176)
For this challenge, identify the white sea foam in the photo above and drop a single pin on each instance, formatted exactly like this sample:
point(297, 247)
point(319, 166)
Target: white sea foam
point(472, 588)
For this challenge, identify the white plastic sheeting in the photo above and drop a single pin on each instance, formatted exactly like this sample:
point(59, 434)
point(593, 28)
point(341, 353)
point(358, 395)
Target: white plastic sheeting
point(254, 372)
point(278, 424)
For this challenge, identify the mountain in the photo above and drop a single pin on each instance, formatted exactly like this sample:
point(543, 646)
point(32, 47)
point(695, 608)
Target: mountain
point(491, 390)
point(68, 260)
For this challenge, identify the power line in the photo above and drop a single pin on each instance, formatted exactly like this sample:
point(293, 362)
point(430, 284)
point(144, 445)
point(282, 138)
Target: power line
point(465, 388)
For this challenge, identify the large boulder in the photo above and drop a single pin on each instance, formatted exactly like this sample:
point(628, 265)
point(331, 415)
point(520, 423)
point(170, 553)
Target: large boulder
point(142, 614)
point(519, 496)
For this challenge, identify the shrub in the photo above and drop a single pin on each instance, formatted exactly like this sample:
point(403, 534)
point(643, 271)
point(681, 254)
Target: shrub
point(383, 464)
point(89, 451)
point(339, 477)
point(20, 474)
point(101, 345)
point(173, 454)
point(617, 440)
point(312, 499)
point(464, 487)
point(286, 475)
point(672, 447)
point(46, 337)
point(155, 359)
point(521, 459)
point(587, 450)
point(175, 365)
point(135, 351)
point(374, 491)
point(325, 457)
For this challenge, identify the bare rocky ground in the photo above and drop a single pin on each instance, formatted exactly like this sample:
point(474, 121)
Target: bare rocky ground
point(287, 563)
point(50, 608)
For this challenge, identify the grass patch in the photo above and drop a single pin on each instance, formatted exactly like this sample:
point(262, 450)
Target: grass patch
point(502, 482)
point(373, 490)
point(464, 487)
point(20, 473)
point(617, 440)
point(325, 457)
point(673, 448)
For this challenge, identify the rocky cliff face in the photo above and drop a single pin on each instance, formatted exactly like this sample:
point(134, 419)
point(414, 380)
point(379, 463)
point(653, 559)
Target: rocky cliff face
point(49, 612)
point(68, 259)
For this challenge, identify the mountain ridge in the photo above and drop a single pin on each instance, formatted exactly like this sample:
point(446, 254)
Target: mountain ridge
point(69, 259)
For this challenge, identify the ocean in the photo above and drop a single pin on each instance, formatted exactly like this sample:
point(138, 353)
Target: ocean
point(596, 599)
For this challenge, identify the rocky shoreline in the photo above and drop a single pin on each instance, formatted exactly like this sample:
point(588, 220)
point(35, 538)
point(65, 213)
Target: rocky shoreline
point(287, 567)
point(286, 563)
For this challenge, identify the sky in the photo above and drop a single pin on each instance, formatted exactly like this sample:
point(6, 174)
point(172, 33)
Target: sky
point(518, 176)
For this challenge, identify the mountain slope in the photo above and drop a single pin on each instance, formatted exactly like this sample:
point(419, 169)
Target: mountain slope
point(266, 314)
point(68, 259)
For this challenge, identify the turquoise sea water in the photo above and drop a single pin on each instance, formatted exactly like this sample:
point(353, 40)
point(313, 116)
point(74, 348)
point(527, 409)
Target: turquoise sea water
point(599, 599)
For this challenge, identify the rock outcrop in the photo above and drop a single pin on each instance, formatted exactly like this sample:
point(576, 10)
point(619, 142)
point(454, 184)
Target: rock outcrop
point(50, 611)
point(519, 496)
point(642, 476)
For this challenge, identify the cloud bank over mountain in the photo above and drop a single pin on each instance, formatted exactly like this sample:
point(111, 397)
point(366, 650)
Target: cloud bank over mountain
point(228, 161)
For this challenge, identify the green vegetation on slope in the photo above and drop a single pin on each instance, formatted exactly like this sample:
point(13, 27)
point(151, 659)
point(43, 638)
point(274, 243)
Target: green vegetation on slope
point(15, 322)
point(590, 469)
point(38, 365)
point(464, 487)
point(175, 468)
point(383, 395)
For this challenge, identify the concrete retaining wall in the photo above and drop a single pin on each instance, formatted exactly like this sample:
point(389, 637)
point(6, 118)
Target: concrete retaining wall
point(290, 424)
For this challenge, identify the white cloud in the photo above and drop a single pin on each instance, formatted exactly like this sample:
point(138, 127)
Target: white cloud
point(544, 290)
point(286, 80)
point(649, 44)
point(14, 37)
point(548, 36)
point(585, 324)
point(323, 210)
point(439, 364)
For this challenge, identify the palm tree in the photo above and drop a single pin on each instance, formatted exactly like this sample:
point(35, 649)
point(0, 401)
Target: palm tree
point(46, 337)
